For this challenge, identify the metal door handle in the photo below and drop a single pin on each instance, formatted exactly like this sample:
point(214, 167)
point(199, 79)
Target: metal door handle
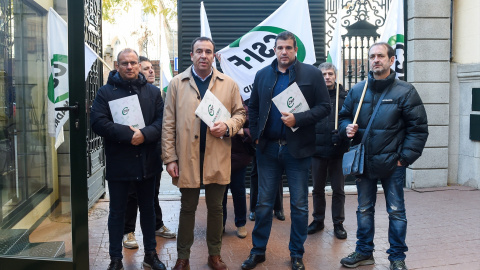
point(67, 108)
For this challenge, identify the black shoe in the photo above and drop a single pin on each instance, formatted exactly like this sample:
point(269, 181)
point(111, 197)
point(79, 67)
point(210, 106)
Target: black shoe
point(398, 265)
point(339, 231)
point(151, 260)
point(115, 264)
point(315, 226)
point(279, 215)
point(252, 261)
point(297, 264)
point(356, 259)
point(252, 216)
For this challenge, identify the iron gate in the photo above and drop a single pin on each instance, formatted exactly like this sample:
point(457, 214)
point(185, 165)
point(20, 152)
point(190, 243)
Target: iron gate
point(95, 150)
point(361, 20)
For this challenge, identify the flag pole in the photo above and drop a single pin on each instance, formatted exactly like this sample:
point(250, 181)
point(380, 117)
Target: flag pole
point(105, 63)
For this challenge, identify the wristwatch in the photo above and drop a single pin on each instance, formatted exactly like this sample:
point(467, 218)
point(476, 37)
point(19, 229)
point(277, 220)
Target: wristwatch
point(227, 132)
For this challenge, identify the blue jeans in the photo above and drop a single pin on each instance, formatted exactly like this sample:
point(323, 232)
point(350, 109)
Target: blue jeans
point(274, 160)
point(116, 218)
point(397, 227)
point(237, 187)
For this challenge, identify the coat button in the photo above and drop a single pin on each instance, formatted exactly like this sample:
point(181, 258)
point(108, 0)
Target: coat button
point(196, 136)
point(198, 97)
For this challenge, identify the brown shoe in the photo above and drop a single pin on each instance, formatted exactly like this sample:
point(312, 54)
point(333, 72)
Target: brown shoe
point(182, 264)
point(216, 263)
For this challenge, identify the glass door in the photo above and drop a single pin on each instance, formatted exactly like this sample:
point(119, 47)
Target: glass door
point(43, 189)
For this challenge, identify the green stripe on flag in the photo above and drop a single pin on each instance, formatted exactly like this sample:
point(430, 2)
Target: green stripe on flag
point(329, 59)
point(59, 58)
point(301, 53)
point(398, 38)
point(61, 98)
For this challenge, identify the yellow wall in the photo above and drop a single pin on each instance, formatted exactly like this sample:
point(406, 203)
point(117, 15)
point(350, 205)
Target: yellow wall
point(466, 31)
point(46, 4)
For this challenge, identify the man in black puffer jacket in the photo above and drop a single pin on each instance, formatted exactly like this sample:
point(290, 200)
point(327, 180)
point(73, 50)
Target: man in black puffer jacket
point(395, 140)
point(131, 154)
point(327, 160)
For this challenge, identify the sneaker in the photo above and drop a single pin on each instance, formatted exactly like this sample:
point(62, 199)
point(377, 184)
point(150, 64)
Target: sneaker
point(315, 226)
point(241, 232)
point(279, 215)
point(129, 240)
point(252, 216)
point(151, 260)
point(115, 264)
point(165, 232)
point(339, 231)
point(398, 265)
point(356, 259)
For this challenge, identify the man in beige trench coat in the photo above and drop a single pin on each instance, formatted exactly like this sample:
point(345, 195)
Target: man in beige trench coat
point(196, 154)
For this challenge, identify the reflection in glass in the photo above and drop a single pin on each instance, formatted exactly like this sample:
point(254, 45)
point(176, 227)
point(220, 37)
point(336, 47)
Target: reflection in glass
point(35, 218)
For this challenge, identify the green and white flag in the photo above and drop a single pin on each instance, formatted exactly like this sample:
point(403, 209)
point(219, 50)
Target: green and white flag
point(57, 36)
point(245, 56)
point(335, 52)
point(58, 75)
point(166, 73)
point(205, 27)
point(393, 34)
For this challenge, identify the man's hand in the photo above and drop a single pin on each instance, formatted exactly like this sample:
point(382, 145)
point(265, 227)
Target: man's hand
point(172, 169)
point(351, 130)
point(137, 137)
point(288, 119)
point(218, 129)
point(335, 137)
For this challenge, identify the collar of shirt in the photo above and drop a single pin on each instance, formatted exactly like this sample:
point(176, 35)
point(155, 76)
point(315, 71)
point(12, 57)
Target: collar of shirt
point(289, 69)
point(196, 75)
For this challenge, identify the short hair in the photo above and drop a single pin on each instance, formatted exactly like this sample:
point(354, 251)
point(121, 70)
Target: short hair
point(203, 39)
point(125, 51)
point(390, 50)
point(286, 35)
point(143, 59)
point(327, 65)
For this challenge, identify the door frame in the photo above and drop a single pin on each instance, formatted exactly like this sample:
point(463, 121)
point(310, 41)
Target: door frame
point(78, 156)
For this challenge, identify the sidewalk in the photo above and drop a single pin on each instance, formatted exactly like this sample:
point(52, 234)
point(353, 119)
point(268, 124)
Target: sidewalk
point(443, 233)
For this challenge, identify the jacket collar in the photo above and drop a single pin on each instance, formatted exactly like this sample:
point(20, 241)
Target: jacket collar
point(380, 85)
point(187, 74)
point(293, 67)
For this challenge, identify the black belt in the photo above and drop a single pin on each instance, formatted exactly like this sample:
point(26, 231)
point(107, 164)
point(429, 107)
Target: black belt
point(280, 141)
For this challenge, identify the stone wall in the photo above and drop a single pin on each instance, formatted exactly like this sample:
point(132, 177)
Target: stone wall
point(428, 69)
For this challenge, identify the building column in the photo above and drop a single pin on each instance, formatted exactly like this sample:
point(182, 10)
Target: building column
point(428, 69)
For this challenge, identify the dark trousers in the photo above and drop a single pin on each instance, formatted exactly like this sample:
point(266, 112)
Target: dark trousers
point(321, 168)
point(132, 208)
point(237, 187)
point(118, 191)
point(278, 206)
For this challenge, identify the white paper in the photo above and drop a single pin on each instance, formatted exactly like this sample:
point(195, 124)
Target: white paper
point(127, 111)
point(291, 100)
point(211, 110)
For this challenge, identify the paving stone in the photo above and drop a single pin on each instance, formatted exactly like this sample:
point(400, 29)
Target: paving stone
point(442, 234)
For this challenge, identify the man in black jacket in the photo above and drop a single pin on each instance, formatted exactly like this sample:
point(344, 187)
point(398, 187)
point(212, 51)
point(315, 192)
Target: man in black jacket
point(131, 154)
point(161, 230)
point(396, 139)
point(327, 161)
point(280, 149)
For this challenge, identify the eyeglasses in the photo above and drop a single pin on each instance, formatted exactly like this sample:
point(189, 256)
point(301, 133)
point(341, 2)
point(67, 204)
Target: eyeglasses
point(132, 63)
